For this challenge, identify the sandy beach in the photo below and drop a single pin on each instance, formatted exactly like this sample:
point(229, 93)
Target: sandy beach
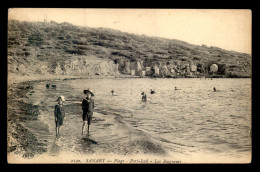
point(165, 95)
point(24, 144)
point(21, 141)
point(125, 132)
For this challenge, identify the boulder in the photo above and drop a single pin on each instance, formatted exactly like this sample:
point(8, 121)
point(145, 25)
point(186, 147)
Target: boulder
point(164, 71)
point(193, 68)
point(42, 69)
point(213, 68)
point(58, 70)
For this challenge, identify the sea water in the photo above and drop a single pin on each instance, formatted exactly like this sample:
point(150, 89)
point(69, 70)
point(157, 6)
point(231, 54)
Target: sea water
point(186, 122)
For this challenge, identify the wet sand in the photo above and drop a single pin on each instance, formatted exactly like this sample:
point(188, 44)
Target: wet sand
point(20, 141)
point(110, 135)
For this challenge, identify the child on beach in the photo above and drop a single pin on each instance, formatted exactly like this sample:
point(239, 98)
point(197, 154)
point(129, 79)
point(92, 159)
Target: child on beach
point(88, 108)
point(59, 114)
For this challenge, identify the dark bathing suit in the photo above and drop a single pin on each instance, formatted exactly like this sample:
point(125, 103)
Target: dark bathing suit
point(59, 114)
point(88, 108)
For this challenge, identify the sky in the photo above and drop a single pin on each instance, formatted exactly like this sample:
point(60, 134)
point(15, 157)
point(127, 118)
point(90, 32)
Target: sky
point(227, 29)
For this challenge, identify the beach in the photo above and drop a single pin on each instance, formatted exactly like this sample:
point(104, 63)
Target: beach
point(164, 95)
point(19, 139)
point(127, 131)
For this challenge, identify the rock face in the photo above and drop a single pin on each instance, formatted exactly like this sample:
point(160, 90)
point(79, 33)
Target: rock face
point(213, 68)
point(136, 67)
point(193, 68)
point(42, 70)
point(90, 66)
point(171, 68)
point(58, 70)
point(127, 67)
point(156, 70)
point(65, 49)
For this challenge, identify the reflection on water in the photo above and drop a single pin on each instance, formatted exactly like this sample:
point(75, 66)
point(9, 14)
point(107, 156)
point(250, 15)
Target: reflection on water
point(55, 148)
point(86, 144)
point(191, 119)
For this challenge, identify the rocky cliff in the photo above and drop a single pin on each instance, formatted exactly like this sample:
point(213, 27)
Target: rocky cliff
point(65, 49)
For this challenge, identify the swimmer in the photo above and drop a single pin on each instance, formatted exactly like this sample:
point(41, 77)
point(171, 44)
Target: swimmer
point(144, 98)
point(176, 88)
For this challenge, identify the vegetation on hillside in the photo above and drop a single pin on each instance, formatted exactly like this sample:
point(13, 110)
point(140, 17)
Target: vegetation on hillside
point(46, 43)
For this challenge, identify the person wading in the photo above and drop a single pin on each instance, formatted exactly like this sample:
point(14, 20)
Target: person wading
point(144, 98)
point(59, 114)
point(88, 108)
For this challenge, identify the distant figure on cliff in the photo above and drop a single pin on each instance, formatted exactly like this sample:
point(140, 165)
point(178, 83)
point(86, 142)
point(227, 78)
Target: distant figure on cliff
point(112, 92)
point(59, 114)
point(214, 89)
point(88, 108)
point(144, 98)
point(152, 92)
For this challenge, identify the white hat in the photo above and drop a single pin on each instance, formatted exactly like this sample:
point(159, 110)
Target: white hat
point(62, 98)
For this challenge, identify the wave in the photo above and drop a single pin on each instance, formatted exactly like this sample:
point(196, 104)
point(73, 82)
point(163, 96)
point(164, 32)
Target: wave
point(147, 146)
point(139, 139)
point(179, 144)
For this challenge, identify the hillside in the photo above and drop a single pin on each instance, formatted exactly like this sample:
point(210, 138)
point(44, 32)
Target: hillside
point(53, 48)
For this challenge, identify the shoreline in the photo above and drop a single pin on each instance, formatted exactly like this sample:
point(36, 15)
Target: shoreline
point(13, 78)
point(16, 79)
point(19, 140)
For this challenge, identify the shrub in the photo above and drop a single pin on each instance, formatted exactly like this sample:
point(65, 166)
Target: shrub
point(27, 53)
point(221, 69)
point(196, 58)
point(35, 39)
point(183, 59)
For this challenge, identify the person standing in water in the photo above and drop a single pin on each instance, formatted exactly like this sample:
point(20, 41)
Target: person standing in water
point(144, 98)
point(177, 88)
point(152, 92)
point(88, 108)
point(59, 114)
